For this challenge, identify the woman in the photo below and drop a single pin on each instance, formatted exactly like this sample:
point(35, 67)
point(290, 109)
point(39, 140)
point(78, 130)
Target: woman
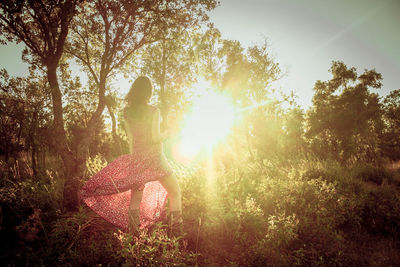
point(131, 191)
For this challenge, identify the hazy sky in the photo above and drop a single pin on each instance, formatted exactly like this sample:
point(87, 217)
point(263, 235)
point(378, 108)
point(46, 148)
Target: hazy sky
point(305, 36)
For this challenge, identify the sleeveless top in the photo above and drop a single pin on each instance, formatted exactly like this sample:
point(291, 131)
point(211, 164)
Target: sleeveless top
point(141, 131)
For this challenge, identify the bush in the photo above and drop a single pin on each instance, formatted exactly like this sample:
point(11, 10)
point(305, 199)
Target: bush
point(368, 173)
point(381, 213)
point(154, 248)
point(302, 213)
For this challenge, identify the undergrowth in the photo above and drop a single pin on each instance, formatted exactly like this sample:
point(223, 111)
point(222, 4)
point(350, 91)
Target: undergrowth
point(304, 213)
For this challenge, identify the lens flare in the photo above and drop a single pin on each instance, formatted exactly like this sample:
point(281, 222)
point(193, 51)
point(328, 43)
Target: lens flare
point(209, 121)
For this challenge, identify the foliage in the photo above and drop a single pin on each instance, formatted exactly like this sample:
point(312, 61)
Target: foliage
point(95, 164)
point(372, 174)
point(172, 70)
point(390, 141)
point(154, 248)
point(345, 121)
point(24, 116)
point(271, 215)
point(287, 186)
point(309, 212)
point(43, 27)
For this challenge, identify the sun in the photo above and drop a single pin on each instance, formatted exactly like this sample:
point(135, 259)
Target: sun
point(209, 122)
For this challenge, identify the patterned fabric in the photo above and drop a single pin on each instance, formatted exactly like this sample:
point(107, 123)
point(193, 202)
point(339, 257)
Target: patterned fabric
point(108, 192)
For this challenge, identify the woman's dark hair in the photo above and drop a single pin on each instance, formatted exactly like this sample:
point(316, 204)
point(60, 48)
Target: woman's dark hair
point(138, 97)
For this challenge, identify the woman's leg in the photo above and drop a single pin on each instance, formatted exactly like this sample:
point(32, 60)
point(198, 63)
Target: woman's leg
point(136, 198)
point(134, 212)
point(170, 183)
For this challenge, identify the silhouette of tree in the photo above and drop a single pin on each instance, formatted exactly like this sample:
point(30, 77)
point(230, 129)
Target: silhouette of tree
point(172, 67)
point(390, 137)
point(205, 51)
point(43, 27)
point(345, 120)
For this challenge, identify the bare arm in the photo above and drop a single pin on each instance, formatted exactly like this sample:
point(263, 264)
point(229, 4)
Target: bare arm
point(156, 135)
point(128, 131)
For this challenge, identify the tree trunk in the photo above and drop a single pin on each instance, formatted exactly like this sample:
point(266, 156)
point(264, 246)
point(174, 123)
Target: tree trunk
point(32, 134)
point(70, 196)
point(33, 159)
point(114, 128)
point(163, 104)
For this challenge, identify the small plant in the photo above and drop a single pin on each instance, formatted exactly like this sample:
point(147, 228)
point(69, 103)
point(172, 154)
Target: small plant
point(154, 247)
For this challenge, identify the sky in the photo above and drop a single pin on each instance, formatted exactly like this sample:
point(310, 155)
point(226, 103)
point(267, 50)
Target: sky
point(304, 36)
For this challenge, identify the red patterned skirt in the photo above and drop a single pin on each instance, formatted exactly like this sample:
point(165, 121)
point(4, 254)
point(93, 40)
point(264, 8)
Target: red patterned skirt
point(108, 192)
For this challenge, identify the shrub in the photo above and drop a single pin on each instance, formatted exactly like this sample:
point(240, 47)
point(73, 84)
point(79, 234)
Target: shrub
point(154, 248)
point(368, 173)
point(300, 213)
point(380, 212)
